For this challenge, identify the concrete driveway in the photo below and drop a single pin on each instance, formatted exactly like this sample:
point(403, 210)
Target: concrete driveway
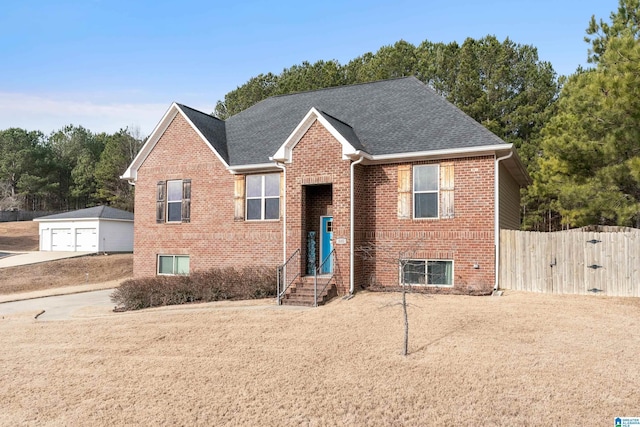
point(63, 307)
point(12, 259)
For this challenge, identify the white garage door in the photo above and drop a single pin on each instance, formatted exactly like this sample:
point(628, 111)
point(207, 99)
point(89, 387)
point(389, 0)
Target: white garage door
point(86, 239)
point(61, 239)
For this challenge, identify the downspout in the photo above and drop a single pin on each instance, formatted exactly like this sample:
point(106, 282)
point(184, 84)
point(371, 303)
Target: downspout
point(496, 212)
point(284, 212)
point(352, 231)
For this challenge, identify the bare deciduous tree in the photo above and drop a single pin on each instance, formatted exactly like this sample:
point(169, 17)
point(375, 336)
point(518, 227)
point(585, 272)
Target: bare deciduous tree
point(402, 261)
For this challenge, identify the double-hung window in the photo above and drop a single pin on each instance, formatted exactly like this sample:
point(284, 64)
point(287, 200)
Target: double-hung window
point(263, 196)
point(427, 272)
point(428, 192)
point(173, 201)
point(173, 264)
point(425, 191)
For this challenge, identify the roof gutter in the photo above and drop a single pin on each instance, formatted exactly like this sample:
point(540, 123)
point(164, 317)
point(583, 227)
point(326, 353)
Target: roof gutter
point(129, 176)
point(352, 231)
point(445, 153)
point(496, 212)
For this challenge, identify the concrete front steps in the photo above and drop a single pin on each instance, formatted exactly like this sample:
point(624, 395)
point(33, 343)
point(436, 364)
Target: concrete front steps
point(301, 292)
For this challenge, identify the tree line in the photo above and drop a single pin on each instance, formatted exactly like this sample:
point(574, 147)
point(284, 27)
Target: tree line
point(577, 135)
point(588, 170)
point(71, 168)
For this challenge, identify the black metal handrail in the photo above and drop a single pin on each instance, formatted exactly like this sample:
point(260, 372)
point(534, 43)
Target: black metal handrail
point(282, 274)
point(319, 268)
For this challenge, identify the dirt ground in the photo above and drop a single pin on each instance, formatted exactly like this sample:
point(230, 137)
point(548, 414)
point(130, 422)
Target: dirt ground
point(19, 236)
point(66, 272)
point(519, 359)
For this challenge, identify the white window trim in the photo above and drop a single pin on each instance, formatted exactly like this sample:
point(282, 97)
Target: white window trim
point(426, 262)
point(413, 192)
point(173, 263)
point(262, 198)
point(168, 202)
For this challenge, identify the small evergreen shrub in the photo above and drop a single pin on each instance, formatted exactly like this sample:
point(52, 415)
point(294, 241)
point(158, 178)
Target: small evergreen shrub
point(201, 286)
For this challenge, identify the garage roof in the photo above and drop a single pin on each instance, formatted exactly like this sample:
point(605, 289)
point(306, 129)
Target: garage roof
point(96, 212)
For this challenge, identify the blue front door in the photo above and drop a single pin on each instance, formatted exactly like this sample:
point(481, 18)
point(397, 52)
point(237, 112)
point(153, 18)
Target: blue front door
point(326, 244)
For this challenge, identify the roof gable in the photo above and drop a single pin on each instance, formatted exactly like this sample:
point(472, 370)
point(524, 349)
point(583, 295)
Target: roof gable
point(210, 129)
point(342, 132)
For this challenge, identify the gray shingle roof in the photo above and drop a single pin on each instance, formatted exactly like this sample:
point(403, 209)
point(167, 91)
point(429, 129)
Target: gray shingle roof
point(103, 212)
point(385, 117)
point(345, 130)
point(212, 128)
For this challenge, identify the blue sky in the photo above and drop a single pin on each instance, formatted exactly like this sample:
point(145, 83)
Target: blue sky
point(110, 64)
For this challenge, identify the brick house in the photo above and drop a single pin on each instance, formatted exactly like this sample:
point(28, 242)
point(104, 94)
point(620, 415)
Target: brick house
point(353, 175)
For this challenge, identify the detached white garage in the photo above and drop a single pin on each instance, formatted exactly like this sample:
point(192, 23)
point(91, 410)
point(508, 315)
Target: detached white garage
point(97, 229)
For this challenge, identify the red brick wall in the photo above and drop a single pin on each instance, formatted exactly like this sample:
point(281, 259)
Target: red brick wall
point(212, 238)
point(467, 239)
point(317, 159)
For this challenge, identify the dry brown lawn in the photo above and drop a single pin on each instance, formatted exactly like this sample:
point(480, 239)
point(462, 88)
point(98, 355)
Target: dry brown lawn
point(65, 272)
point(520, 359)
point(19, 236)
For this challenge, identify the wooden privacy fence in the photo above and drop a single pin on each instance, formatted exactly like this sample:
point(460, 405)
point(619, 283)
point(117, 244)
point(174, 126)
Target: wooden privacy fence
point(571, 262)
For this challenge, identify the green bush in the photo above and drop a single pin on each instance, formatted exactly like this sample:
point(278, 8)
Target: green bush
point(200, 286)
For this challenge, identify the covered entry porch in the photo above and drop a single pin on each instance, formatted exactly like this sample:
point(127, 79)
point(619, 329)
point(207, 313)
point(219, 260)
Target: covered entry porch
point(309, 275)
point(317, 229)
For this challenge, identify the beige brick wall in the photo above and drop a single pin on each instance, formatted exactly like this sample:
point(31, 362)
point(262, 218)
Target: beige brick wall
point(212, 238)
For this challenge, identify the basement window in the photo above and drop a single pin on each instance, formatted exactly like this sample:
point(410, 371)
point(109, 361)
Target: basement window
point(427, 272)
point(173, 264)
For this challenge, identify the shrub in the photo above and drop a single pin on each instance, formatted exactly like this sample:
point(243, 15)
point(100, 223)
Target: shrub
point(201, 286)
